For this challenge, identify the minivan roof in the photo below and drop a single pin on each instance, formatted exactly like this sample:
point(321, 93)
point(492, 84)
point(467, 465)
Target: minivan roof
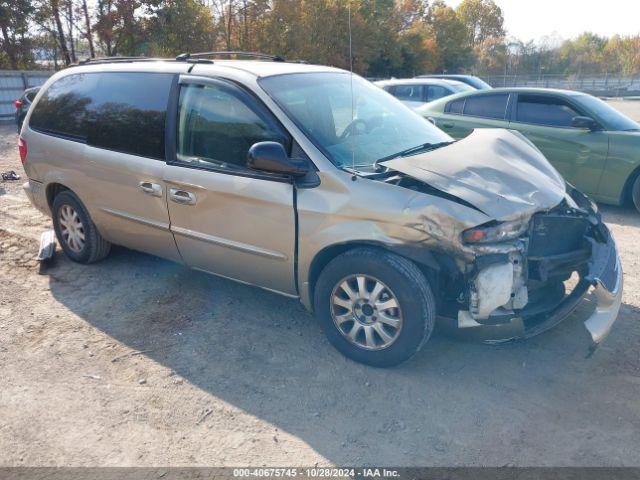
point(258, 68)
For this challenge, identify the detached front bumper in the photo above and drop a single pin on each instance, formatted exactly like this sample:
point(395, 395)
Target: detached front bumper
point(606, 277)
point(602, 281)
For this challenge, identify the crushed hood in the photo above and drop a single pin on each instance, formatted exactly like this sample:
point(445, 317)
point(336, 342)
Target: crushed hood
point(497, 171)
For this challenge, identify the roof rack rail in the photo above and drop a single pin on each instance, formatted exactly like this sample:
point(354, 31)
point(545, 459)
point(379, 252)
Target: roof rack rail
point(227, 53)
point(141, 58)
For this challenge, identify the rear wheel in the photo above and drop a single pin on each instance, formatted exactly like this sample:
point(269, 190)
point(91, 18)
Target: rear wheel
point(76, 232)
point(376, 307)
point(635, 193)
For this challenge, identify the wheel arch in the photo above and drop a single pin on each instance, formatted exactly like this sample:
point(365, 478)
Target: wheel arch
point(625, 197)
point(52, 190)
point(424, 258)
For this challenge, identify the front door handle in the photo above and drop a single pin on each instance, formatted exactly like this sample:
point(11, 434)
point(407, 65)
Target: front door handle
point(151, 188)
point(447, 124)
point(182, 196)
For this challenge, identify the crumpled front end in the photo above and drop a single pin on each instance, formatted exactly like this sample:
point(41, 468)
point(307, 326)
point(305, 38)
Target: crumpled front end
point(566, 253)
point(540, 248)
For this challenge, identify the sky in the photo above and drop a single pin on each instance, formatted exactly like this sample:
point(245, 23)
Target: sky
point(534, 19)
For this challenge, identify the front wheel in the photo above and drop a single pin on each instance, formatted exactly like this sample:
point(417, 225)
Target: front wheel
point(376, 307)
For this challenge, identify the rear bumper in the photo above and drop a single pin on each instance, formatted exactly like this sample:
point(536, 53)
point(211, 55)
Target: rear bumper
point(36, 195)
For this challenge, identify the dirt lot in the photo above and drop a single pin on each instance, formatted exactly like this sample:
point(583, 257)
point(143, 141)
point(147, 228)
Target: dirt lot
point(138, 361)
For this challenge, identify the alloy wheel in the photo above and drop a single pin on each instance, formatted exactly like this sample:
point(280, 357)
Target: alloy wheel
point(366, 312)
point(71, 228)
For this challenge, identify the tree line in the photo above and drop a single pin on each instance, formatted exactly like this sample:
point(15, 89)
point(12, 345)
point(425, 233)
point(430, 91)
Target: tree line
point(389, 37)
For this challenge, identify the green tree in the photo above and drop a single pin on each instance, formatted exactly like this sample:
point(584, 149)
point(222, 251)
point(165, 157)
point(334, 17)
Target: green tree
point(119, 27)
point(584, 54)
point(15, 42)
point(483, 19)
point(450, 36)
point(622, 54)
point(166, 32)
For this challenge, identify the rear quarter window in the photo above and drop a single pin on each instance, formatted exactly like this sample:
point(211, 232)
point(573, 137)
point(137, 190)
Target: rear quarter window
point(118, 111)
point(455, 107)
point(61, 109)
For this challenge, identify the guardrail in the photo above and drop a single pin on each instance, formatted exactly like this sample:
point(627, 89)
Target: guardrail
point(13, 83)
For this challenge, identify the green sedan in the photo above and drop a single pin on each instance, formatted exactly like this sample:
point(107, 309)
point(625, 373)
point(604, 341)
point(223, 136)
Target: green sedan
point(594, 146)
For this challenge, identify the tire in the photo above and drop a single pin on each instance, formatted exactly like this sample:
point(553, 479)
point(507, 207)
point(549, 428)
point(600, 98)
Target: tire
point(635, 193)
point(93, 247)
point(401, 282)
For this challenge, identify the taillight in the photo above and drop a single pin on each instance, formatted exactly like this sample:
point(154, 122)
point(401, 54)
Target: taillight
point(22, 148)
point(17, 103)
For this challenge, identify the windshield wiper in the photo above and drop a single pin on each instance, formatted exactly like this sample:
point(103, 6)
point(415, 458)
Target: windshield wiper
point(411, 151)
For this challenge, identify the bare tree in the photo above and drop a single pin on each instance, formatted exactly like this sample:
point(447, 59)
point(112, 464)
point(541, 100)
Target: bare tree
point(70, 18)
point(88, 33)
point(62, 41)
point(224, 11)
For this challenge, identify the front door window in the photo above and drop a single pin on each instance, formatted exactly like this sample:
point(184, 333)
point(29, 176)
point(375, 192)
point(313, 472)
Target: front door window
point(217, 126)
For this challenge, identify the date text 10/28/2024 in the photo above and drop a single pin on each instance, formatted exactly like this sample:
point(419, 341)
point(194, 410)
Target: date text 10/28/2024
point(316, 472)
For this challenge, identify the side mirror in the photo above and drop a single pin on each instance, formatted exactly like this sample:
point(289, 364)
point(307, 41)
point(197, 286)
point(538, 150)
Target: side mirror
point(431, 120)
point(271, 157)
point(584, 122)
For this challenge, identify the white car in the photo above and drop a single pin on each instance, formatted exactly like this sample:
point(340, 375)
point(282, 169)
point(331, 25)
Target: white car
point(415, 92)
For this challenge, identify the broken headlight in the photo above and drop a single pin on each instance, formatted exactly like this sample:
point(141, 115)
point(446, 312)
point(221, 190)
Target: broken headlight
point(495, 232)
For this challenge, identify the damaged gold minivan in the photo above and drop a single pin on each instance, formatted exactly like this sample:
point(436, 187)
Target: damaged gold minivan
point(313, 183)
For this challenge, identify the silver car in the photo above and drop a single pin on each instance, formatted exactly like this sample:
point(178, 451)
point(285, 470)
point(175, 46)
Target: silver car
point(317, 185)
point(416, 92)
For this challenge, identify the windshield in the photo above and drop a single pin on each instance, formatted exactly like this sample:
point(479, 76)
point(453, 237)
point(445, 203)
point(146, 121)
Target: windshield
point(321, 106)
point(612, 118)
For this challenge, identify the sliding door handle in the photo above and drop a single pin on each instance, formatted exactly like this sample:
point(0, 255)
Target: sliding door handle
point(182, 196)
point(151, 188)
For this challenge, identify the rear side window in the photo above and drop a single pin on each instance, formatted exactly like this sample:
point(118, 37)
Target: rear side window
point(218, 124)
point(435, 92)
point(408, 92)
point(487, 106)
point(127, 113)
point(118, 111)
point(545, 110)
point(455, 107)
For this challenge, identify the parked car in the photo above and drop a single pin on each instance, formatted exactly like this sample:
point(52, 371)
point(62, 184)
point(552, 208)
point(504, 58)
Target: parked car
point(471, 80)
point(313, 183)
point(594, 146)
point(23, 103)
point(416, 92)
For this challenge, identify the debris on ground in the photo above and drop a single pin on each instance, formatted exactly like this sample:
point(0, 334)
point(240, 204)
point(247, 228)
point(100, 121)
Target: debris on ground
point(47, 250)
point(204, 416)
point(9, 176)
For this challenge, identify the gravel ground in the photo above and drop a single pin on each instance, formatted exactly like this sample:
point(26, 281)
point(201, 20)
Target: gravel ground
point(137, 361)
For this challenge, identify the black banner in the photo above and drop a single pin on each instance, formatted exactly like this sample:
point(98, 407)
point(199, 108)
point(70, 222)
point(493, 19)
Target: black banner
point(232, 473)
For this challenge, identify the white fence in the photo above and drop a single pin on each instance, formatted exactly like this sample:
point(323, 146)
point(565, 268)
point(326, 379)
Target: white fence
point(13, 83)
